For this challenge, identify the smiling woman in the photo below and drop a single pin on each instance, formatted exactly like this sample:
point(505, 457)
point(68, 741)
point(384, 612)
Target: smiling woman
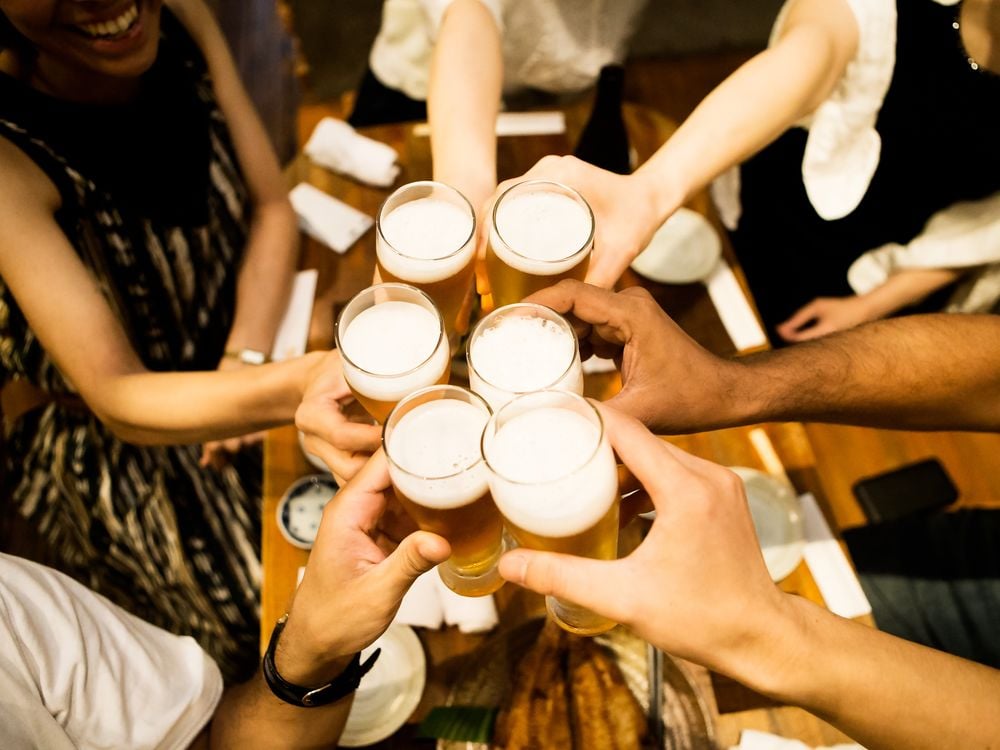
point(145, 234)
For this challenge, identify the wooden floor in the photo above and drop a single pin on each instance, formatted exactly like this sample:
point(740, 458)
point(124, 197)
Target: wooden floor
point(844, 454)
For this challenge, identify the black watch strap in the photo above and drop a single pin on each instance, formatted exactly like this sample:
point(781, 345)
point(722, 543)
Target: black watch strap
point(343, 684)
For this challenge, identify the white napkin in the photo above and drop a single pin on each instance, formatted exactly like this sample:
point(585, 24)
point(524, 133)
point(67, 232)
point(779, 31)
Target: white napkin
point(293, 333)
point(751, 739)
point(829, 566)
point(734, 308)
point(516, 123)
point(596, 365)
point(429, 604)
point(336, 145)
point(329, 220)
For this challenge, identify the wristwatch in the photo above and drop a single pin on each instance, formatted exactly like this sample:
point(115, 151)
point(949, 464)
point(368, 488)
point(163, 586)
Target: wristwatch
point(248, 356)
point(343, 684)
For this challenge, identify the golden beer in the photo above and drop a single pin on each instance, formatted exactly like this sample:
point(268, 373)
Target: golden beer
point(426, 237)
point(432, 440)
point(392, 342)
point(541, 232)
point(554, 479)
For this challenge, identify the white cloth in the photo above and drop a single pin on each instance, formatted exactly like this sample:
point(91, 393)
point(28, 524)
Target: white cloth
point(327, 219)
point(429, 604)
point(78, 672)
point(336, 145)
point(965, 235)
point(751, 739)
point(556, 46)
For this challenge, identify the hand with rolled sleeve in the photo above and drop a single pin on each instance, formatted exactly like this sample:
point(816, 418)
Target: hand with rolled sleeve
point(697, 588)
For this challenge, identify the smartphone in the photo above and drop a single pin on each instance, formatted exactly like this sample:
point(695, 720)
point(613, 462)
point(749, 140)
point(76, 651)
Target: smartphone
point(909, 490)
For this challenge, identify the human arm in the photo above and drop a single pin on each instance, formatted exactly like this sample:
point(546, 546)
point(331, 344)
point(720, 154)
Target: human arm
point(464, 98)
point(349, 594)
point(753, 106)
point(826, 315)
point(881, 690)
point(917, 372)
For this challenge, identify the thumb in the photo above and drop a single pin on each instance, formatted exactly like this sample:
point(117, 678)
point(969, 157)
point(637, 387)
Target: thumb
point(590, 583)
point(415, 555)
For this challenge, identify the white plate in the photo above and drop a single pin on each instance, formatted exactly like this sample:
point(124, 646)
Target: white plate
point(312, 457)
point(389, 693)
point(301, 508)
point(777, 517)
point(683, 250)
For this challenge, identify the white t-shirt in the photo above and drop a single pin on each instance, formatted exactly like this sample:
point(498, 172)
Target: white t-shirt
point(557, 46)
point(78, 672)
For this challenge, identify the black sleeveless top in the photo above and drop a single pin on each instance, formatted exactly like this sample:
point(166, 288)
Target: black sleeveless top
point(940, 131)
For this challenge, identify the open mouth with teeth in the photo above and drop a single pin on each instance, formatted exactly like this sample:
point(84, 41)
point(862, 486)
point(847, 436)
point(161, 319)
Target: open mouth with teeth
point(111, 29)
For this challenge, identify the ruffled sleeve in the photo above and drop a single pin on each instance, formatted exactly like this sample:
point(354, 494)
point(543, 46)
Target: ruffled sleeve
point(435, 12)
point(843, 147)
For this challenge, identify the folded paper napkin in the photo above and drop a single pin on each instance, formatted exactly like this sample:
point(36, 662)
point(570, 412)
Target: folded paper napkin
point(336, 145)
point(293, 332)
point(734, 309)
point(751, 739)
point(597, 365)
point(429, 604)
point(327, 219)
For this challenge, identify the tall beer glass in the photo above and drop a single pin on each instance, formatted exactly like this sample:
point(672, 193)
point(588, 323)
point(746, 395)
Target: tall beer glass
point(541, 232)
point(426, 236)
point(522, 348)
point(392, 342)
point(553, 477)
point(432, 440)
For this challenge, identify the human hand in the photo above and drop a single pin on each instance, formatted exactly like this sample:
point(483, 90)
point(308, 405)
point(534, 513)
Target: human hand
point(352, 586)
point(825, 315)
point(668, 381)
point(697, 586)
point(624, 206)
point(217, 453)
point(343, 445)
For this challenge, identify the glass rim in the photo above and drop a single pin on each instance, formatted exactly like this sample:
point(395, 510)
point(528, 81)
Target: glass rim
point(562, 186)
point(425, 183)
point(389, 285)
point(480, 326)
point(565, 394)
point(423, 391)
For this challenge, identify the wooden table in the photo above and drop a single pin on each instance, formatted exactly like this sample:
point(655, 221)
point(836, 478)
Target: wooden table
point(340, 277)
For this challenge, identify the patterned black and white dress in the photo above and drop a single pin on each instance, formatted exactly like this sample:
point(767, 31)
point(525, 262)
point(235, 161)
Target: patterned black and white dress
point(156, 206)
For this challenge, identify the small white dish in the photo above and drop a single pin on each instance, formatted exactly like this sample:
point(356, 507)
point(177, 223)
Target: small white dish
point(777, 517)
point(685, 249)
point(300, 509)
point(312, 457)
point(390, 692)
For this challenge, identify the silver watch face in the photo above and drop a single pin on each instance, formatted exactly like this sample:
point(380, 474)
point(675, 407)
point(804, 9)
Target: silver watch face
point(301, 509)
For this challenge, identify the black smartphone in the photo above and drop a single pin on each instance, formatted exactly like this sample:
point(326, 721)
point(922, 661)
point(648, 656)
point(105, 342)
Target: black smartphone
point(908, 490)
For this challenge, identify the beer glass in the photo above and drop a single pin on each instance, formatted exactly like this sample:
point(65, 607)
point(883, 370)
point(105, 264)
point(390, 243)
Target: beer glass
point(541, 232)
point(392, 342)
point(522, 348)
point(426, 236)
point(553, 477)
point(432, 440)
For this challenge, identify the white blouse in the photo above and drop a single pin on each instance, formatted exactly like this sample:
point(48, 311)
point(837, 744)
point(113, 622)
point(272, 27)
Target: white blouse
point(841, 155)
point(552, 45)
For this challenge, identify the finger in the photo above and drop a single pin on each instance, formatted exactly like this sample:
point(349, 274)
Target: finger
point(361, 502)
point(821, 328)
point(803, 315)
point(330, 424)
point(342, 464)
point(414, 556)
point(610, 314)
point(593, 584)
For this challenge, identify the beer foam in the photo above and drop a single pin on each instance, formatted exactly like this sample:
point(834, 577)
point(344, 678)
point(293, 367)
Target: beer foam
point(390, 339)
point(519, 354)
point(427, 232)
point(541, 227)
point(432, 444)
point(547, 477)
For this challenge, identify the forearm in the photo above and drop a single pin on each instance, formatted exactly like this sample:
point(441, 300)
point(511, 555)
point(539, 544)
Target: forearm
point(747, 111)
point(907, 287)
point(464, 99)
point(918, 372)
point(881, 690)
point(265, 279)
point(194, 407)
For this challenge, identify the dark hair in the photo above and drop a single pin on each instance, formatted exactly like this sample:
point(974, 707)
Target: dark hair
point(11, 38)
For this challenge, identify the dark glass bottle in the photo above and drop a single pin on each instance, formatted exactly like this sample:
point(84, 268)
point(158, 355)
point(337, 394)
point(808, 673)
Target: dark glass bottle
point(604, 142)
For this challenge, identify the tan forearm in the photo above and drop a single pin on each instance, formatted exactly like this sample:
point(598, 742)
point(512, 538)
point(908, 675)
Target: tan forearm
point(265, 279)
point(881, 690)
point(194, 407)
point(907, 287)
point(464, 99)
